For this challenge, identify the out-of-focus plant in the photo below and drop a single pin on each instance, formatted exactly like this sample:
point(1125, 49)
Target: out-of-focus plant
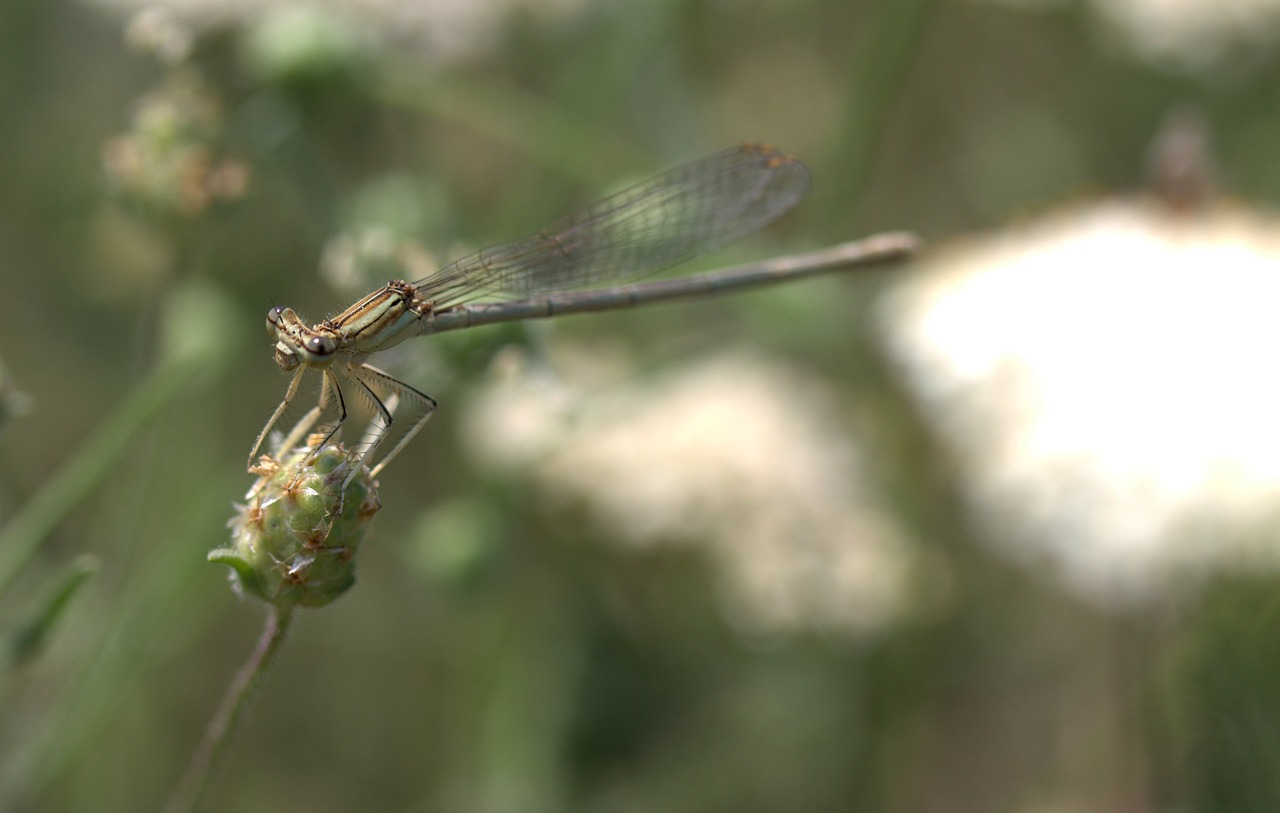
point(167, 172)
point(1000, 539)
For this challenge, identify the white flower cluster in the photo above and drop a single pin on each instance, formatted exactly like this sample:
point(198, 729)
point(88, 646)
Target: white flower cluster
point(1187, 35)
point(1107, 379)
point(1195, 34)
point(445, 30)
point(737, 453)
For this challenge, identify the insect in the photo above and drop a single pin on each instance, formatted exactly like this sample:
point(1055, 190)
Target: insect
point(578, 264)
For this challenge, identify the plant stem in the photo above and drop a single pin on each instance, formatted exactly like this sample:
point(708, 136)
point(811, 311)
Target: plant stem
point(889, 41)
point(23, 535)
point(209, 753)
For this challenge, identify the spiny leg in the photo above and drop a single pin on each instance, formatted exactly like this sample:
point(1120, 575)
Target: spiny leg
point(275, 416)
point(300, 430)
point(417, 408)
point(328, 385)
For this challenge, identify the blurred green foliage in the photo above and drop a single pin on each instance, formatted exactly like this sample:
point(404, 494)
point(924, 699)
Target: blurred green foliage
point(496, 653)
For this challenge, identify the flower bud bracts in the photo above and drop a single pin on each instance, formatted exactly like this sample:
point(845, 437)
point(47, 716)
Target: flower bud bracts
point(294, 541)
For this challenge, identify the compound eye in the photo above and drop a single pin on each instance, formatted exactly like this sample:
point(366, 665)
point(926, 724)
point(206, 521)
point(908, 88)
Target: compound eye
point(319, 346)
point(274, 316)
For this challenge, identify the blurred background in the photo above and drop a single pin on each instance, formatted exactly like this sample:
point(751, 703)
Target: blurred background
point(991, 531)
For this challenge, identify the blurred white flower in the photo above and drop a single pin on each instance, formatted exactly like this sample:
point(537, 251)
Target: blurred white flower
point(1187, 35)
point(1195, 34)
point(154, 29)
point(174, 159)
point(735, 452)
point(363, 259)
point(1106, 378)
point(445, 30)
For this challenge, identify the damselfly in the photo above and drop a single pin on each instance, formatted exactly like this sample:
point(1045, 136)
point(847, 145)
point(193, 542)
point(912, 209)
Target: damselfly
point(683, 213)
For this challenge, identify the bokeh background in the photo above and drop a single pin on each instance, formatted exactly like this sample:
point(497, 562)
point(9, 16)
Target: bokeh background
point(992, 531)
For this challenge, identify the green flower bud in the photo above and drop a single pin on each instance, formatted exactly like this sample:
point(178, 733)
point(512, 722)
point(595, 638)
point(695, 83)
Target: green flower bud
point(294, 542)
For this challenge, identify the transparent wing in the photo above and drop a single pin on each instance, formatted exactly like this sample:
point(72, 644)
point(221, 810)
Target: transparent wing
point(676, 216)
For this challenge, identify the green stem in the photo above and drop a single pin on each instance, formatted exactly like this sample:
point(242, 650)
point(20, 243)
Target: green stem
point(22, 537)
point(199, 335)
point(22, 643)
point(216, 737)
point(889, 42)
